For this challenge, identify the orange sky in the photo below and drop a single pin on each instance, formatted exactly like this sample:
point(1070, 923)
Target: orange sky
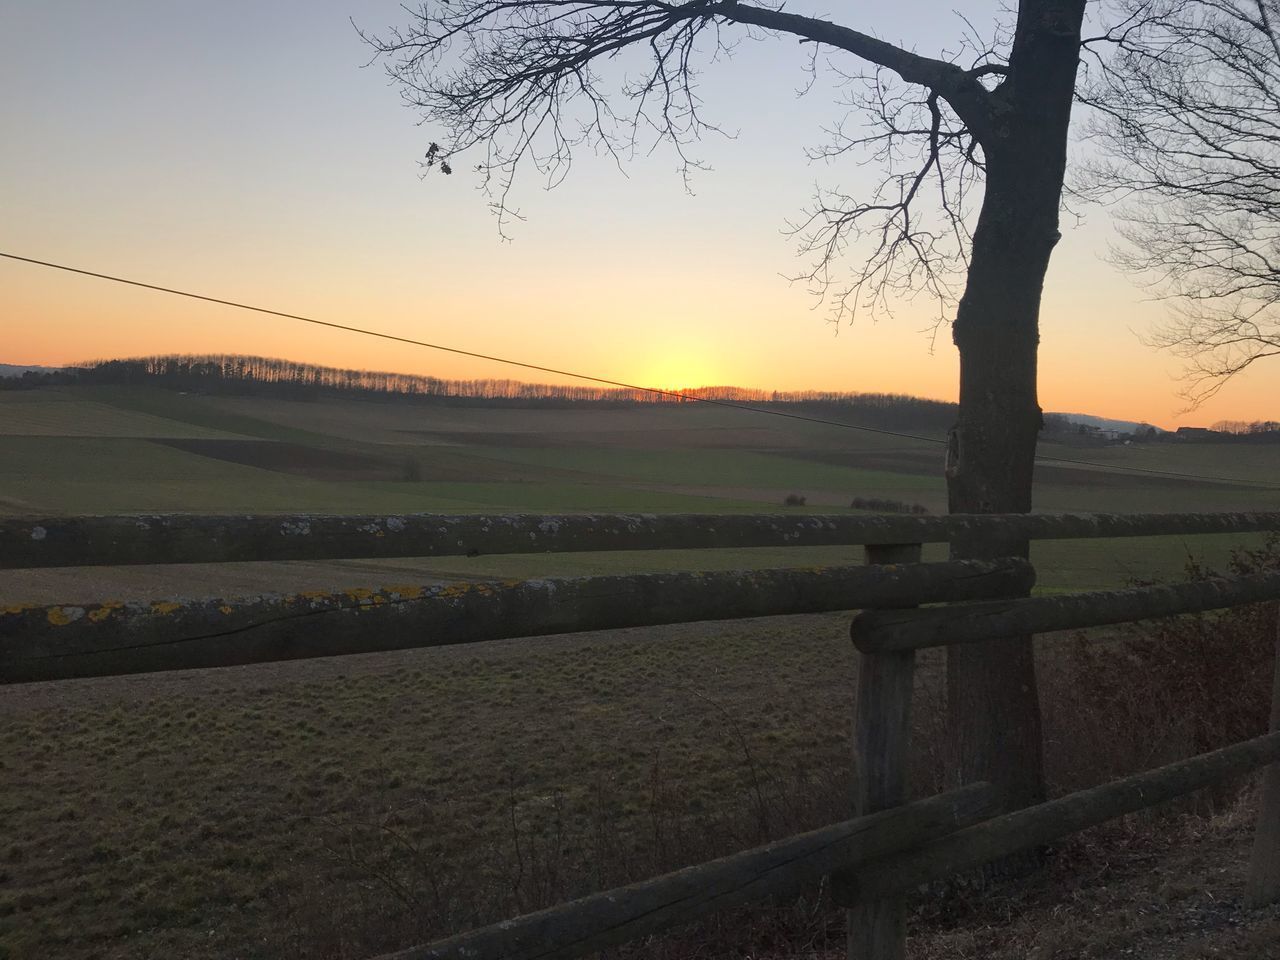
point(242, 152)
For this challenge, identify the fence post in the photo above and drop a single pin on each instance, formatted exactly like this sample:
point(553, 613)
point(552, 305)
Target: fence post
point(1263, 885)
point(881, 734)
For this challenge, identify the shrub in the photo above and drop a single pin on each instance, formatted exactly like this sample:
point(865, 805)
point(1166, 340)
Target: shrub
point(794, 500)
point(411, 470)
point(1173, 687)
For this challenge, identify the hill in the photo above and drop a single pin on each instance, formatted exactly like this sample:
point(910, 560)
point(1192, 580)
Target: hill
point(235, 374)
point(1107, 423)
point(18, 370)
point(156, 449)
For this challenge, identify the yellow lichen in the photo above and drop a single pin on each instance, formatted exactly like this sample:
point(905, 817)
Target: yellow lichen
point(61, 616)
point(104, 610)
point(165, 607)
point(406, 592)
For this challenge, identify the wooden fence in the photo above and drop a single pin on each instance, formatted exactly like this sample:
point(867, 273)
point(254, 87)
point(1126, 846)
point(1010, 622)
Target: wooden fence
point(888, 848)
point(85, 541)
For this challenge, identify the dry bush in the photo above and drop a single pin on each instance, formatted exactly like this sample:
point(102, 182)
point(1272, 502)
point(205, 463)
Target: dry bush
point(1159, 690)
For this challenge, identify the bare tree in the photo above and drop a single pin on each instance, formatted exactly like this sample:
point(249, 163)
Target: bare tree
point(1188, 114)
point(523, 83)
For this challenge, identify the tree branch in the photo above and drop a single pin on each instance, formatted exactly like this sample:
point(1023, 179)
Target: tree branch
point(523, 83)
point(959, 87)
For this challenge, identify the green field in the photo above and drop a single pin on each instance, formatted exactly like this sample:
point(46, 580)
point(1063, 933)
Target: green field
point(113, 450)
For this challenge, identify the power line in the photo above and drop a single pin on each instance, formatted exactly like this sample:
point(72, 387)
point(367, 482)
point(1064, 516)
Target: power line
point(657, 391)
point(465, 353)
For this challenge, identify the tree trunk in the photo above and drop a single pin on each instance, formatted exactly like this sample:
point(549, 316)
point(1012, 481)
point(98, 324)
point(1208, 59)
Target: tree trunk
point(992, 696)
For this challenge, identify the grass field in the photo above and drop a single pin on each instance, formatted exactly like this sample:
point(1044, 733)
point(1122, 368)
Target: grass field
point(181, 814)
point(336, 808)
point(111, 450)
point(340, 808)
point(155, 450)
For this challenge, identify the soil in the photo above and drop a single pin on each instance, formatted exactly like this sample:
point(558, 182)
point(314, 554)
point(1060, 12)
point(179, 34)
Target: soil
point(292, 458)
point(1155, 890)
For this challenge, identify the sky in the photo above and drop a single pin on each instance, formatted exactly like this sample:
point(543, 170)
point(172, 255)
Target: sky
point(249, 151)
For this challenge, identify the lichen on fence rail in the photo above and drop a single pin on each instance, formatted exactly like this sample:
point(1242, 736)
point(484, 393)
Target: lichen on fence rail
point(57, 642)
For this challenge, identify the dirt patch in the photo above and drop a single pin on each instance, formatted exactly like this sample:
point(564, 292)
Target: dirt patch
point(295, 458)
point(393, 420)
point(403, 463)
point(764, 496)
point(912, 461)
point(762, 439)
point(1170, 890)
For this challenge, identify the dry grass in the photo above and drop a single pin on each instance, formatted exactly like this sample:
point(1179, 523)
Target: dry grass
point(338, 808)
point(240, 811)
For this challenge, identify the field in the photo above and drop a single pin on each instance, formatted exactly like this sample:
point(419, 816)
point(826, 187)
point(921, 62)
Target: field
point(339, 808)
point(156, 450)
point(336, 808)
point(138, 450)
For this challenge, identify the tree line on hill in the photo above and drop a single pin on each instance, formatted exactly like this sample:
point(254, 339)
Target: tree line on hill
point(1259, 431)
point(266, 376)
point(1247, 428)
point(236, 374)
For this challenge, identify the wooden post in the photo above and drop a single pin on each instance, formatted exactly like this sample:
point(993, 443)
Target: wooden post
point(1263, 885)
point(881, 735)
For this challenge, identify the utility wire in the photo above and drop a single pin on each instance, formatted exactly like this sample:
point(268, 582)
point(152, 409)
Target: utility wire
point(467, 353)
point(657, 391)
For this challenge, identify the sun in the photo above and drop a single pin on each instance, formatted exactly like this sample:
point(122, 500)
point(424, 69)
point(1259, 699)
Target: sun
point(678, 370)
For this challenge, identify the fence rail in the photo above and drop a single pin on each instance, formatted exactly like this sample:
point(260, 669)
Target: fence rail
point(881, 631)
point(887, 640)
point(777, 869)
point(889, 847)
point(906, 861)
point(99, 541)
point(1033, 826)
point(60, 642)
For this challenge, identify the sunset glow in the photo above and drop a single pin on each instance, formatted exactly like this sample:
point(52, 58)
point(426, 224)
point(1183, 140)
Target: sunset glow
point(278, 172)
point(678, 367)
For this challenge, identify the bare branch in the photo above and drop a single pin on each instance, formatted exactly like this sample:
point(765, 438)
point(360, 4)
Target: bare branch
point(524, 83)
point(1188, 113)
